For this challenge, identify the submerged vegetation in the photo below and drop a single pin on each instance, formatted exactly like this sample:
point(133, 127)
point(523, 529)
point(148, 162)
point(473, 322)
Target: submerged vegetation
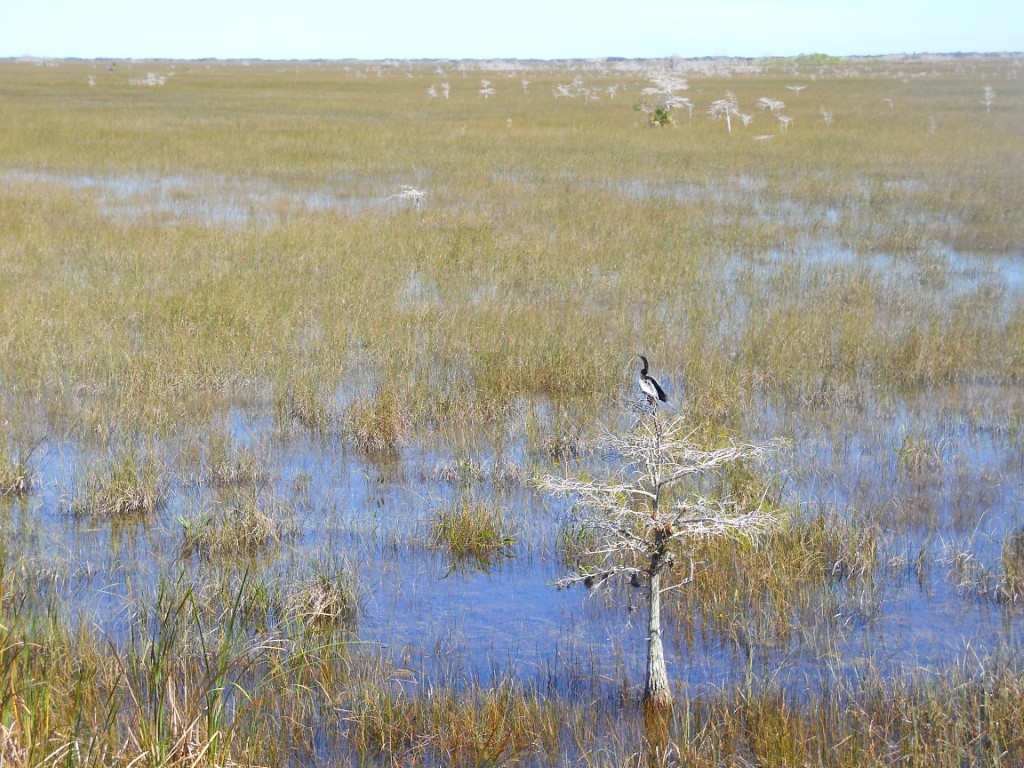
point(280, 344)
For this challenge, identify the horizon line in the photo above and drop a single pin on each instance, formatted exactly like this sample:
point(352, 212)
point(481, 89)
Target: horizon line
point(30, 58)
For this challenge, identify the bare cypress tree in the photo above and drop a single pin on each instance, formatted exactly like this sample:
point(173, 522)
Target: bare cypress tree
point(660, 493)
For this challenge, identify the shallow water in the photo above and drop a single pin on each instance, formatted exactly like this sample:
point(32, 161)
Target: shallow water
point(453, 625)
point(446, 623)
point(211, 200)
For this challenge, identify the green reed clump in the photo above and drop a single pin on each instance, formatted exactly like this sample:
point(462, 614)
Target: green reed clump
point(245, 525)
point(383, 722)
point(491, 726)
point(833, 548)
point(255, 597)
point(51, 677)
point(558, 439)
point(745, 485)
point(182, 686)
point(190, 687)
point(131, 487)
point(573, 545)
point(472, 531)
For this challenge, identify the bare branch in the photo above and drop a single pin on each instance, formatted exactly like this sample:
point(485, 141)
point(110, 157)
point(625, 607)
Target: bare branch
point(684, 582)
point(622, 510)
point(727, 108)
point(597, 578)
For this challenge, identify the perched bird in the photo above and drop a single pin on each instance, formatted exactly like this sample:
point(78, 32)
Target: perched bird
point(650, 386)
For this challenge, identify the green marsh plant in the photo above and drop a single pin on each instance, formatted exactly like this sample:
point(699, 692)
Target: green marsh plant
point(190, 686)
point(304, 404)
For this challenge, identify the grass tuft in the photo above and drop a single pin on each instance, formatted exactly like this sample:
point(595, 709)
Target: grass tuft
point(228, 465)
point(247, 525)
point(328, 598)
point(1000, 583)
point(472, 531)
point(130, 488)
point(304, 404)
point(919, 458)
point(15, 475)
point(466, 472)
point(377, 426)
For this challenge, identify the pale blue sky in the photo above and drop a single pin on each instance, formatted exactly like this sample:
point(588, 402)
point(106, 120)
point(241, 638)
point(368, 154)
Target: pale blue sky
point(373, 29)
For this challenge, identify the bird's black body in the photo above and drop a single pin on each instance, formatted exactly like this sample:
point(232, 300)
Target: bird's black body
point(650, 386)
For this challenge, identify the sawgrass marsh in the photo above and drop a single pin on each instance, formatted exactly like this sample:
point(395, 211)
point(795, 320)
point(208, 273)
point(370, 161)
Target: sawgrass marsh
point(282, 343)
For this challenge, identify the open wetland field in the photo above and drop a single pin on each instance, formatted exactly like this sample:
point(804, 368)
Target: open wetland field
point(288, 349)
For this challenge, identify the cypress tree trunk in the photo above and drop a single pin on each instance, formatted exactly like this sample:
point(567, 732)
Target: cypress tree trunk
point(657, 693)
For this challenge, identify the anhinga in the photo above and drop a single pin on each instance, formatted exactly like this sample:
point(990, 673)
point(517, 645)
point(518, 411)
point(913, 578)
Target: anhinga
point(650, 386)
